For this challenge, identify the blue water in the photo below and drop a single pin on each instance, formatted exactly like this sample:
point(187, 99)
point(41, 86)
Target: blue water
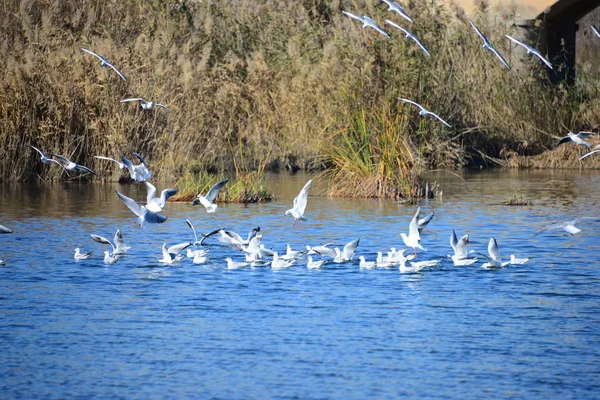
point(137, 329)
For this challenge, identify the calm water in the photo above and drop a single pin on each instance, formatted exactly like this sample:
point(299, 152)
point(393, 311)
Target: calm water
point(137, 329)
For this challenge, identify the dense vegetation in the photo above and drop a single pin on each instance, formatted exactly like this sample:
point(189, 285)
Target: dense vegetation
point(286, 84)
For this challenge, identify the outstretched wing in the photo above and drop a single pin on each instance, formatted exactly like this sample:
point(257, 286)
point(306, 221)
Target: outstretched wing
point(387, 21)
point(413, 228)
point(439, 119)
point(178, 248)
point(499, 56)
point(493, 250)
point(302, 198)
point(103, 240)
point(461, 247)
point(139, 157)
point(481, 35)
point(115, 69)
point(166, 195)
point(94, 54)
point(518, 42)
point(39, 151)
point(352, 16)
point(214, 191)
point(349, 248)
point(413, 103)
point(453, 241)
point(422, 222)
point(133, 99)
point(187, 221)
point(132, 205)
point(151, 192)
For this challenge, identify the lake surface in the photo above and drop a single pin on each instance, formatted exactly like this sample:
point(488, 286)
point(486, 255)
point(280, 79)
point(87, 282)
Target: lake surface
point(137, 329)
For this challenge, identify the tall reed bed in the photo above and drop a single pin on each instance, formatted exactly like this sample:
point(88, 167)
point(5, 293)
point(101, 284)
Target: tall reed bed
point(267, 80)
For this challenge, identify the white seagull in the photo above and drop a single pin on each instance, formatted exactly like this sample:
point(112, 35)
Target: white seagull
point(425, 112)
point(395, 7)
point(234, 264)
point(45, 159)
point(4, 229)
point(233, 239)
point(121, 165)
point(69, 165)
point(322, 250)
point(105, 63)
point(413, 238)
point(138, 172)
point(594, 151)
point(347, 253)
point(530, 50)
point(108, 259)
point(488, 46)
point(368, 22)
point(208, 201)
point(460, 257)
point(280, 263)
point(568, 226)
point(297, 211)
point(409, 35)
point(119, 247)
point(81, 256)
point(494, 259)
point(156, 204)
point(144, 215)
point(145, 104)
point(171, 255)
point(518, 261)
point(364, 264)
point(577, 139)
point(314, 264)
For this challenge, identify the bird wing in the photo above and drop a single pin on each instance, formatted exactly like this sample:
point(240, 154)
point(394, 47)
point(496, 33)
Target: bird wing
point(518, 42)
point(4, 229)
point(589, 154)
point(178, 248)
point(162, 105)
point(115, 69)
point(129, 165)
point(153, 217)
point(64, 159)
point(461, 247)
point(132, 205)
point(493, 250)
point(353, 16)
point(133, 99)
point(119, 242)
point(94, 54)
point(378, 28)
point(417, 41)
point(565, 139)
point(586, 134)
point(166, 194)
point(39, 151)
point(481, 35)
point(541, 57)
point(499, 56)
point(151, 192)
point(103, 240)
point(413, 228)
point(85, 169)
point(422, 223)
point(121, 165)
point(412, 102)
point(400, 10)
point(165, 252)
point(187, 221)
point(214, 191)
point(139, 157)
point(439, 118)
point(387, 21)
point(302, 198)
point(350, 247)
point(252, 234)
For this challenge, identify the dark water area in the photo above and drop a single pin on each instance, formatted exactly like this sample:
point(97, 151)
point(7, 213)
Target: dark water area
point(139, 329)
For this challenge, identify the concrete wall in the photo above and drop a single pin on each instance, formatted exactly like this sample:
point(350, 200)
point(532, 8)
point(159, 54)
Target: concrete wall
point(588, 45)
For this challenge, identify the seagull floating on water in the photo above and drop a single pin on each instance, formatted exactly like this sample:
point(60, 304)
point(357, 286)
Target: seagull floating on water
point(145, 104)
point(297, 211)
point(368, 22)
point(425, 112)
point(144, 215)
point(234, 264)
point(518, 261)
point(81, 256)
point(119, 247)
point(281, 263)
point(409, 35)
point(108, 259)
point(488, 46)
point(314, 264)
point(461, 255)
point(156, 204)
point(577, 139)
point(105, 63)
point(530, 50)
point(208, 201)
point(395, 7)
point(364, 264)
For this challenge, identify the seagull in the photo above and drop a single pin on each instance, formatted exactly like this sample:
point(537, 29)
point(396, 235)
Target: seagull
point(2, 262)
point(280, 263)
point(81, 256)
point(146, 105)
point(194, 253)
point(425, 112)
point(234, 264)
point(45, 159)
point(121, 165)
point(322, 250)
point(416, 266)
point(69, 165)
point(200, 259)
point(232, 238)
point(395, 7)
point(196, 241)
point(108, 259)
point(138, 172)
point(594, 151)
point(144, 215)
point(171, 255)
point(4, 229)
point(409, 35)
point(518, 261)
point(297, 211)
point(314, 264)
point(460, 257)
point(105, 63)
point(208, 201)
point(119, 247)
point(156, 204)
point(347, 253)
point(568, 226)
point(383, 263)
point(530, 50)
point(595, 31)
point(293, 254)
point(364, 264)
point(413, 238)
point(368, 22)
point(488, 46)
point(494, 259)
point(577, 138)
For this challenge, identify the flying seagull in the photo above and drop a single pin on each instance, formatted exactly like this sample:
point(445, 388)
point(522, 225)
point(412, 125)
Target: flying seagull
point(568, 226)
point(494, 259)
point(105, 63)
point(530, 50)
point(488, 46)
point(368, 22)
point(425, 112)
point(409, 35)
point(146, 105)
point(119, 247)
point(413, 238)
point(208, 201)
point(144, 215)
point(71, 166)
point(138, 172)
point(45, 159)
point(395, 7)
point(297, 211)
point(576, 138)
point(156, 204)
point(594, 151)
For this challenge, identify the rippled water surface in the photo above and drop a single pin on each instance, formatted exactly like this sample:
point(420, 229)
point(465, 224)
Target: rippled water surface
point(137, 329)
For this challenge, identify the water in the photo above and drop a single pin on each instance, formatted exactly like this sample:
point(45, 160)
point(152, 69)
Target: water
point(137, 329)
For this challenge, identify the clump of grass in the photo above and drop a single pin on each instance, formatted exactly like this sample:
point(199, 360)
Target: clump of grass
point(517, 200)
point(373, 157)
point(244, 188)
